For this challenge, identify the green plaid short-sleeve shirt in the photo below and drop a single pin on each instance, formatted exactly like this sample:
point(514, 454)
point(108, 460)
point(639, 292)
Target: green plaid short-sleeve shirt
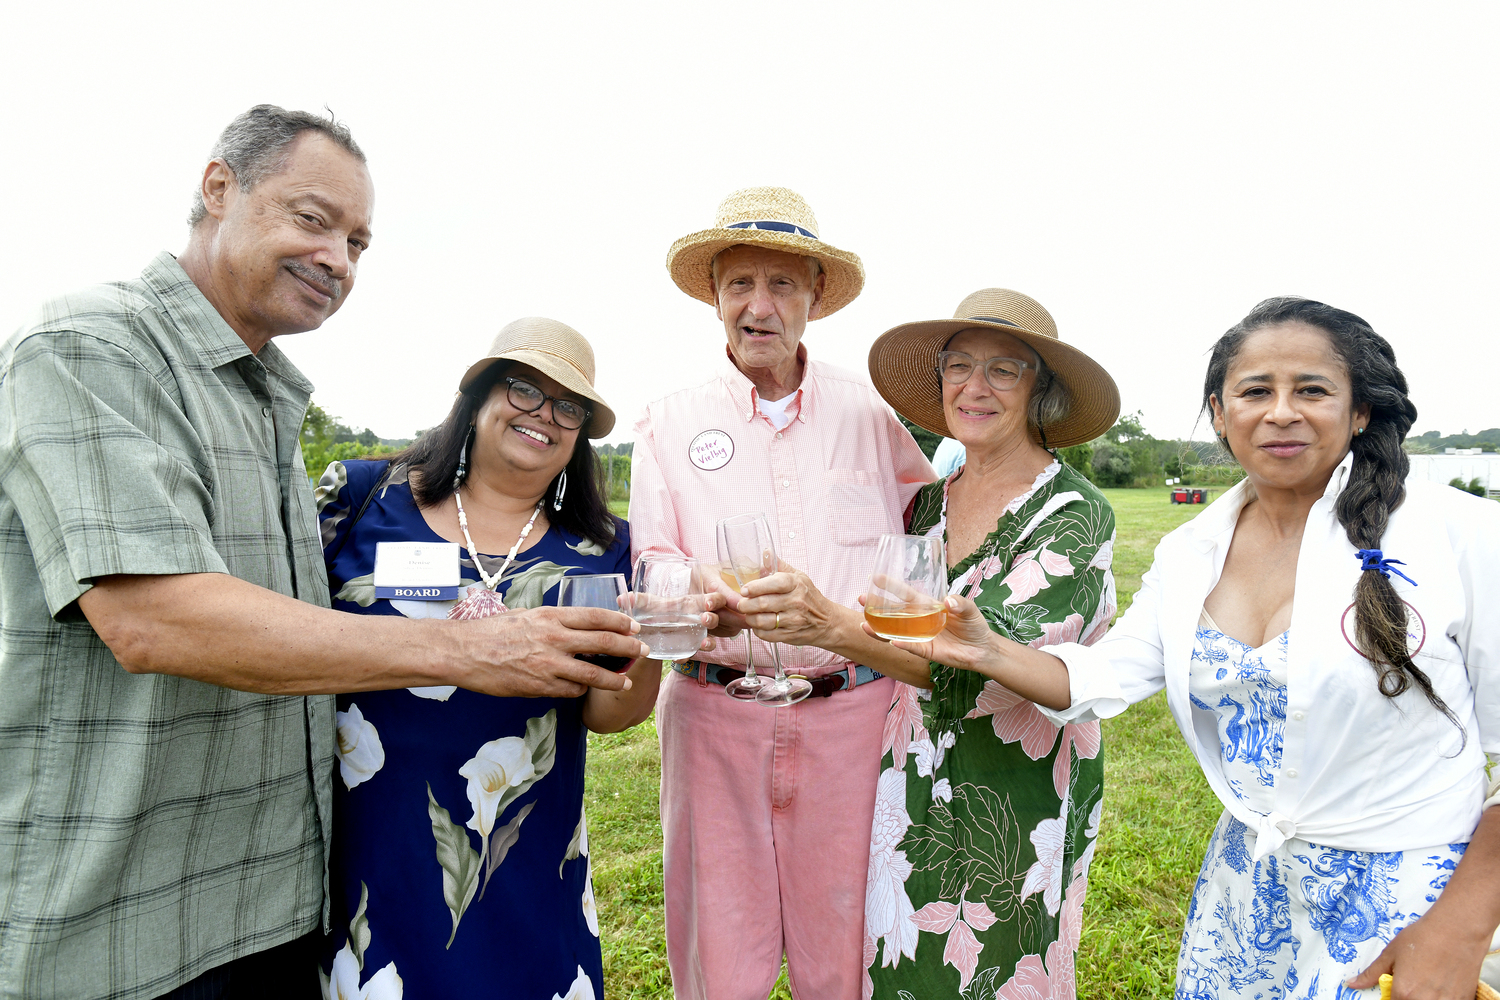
point(151, 827)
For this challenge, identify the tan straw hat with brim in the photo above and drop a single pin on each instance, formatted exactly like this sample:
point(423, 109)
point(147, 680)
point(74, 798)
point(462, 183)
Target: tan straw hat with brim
point(903, 365)
point(557, 351)
point(771, 217)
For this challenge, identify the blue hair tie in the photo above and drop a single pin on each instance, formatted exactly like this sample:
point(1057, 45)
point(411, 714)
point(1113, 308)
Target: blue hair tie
point(1375, 559)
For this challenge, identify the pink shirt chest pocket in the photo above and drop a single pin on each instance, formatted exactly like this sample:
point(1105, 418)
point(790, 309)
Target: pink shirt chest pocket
point(856, 508)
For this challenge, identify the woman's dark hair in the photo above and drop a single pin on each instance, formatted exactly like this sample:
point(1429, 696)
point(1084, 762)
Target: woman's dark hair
point(1377, 480)
point(434, 456)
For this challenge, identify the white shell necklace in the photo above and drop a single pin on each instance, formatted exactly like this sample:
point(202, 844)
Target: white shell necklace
point(484, 603)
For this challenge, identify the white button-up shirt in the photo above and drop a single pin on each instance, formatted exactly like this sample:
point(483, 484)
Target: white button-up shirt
point(1359, 771)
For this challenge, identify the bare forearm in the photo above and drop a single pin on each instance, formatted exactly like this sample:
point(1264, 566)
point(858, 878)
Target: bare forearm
point(219, 629)
point(1034, 674)
point(617, 711)
point(1471, 902)
point(851, 642)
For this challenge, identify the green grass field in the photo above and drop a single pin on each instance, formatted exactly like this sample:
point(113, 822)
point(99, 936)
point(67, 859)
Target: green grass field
point(1158, 814)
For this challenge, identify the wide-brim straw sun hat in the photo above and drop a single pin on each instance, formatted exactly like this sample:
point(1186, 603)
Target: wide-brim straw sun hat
point(903, 365)
point(772, 217)
point(557, 351)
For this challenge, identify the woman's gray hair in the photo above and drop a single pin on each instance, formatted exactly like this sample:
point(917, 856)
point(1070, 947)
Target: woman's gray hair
point(256, 143)
point(1050, 399)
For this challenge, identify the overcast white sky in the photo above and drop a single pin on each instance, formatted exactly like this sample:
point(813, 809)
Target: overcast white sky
point(1148, 171)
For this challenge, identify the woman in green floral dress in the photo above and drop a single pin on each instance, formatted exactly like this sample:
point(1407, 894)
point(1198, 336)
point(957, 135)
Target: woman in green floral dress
point(986, 812)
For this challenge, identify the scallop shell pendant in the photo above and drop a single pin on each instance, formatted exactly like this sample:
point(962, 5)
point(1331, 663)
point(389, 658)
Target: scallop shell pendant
point(482, 602)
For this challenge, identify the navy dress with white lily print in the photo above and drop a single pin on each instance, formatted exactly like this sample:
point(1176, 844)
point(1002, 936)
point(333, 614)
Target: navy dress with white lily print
point(1289, 926)
point(460, 849)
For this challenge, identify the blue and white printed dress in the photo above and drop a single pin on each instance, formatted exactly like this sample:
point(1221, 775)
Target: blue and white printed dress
point(1300, 922)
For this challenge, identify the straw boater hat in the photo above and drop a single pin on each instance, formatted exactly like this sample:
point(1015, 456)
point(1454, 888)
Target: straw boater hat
point(772, 217)
point(903, 365)
point(557, 351)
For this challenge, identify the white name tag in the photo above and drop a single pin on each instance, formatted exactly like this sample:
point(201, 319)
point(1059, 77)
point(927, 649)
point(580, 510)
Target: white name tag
point(711, 450)
point(416, 571)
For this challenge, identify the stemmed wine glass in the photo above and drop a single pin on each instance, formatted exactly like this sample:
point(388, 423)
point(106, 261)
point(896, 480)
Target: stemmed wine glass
point(748, 548)
point(736, 575)
point(596, 590)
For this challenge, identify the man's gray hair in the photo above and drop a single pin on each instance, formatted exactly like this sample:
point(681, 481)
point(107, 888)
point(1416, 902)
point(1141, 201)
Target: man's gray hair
point(255, 145)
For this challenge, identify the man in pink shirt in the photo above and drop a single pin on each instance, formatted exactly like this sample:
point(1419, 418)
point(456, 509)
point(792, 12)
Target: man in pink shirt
point(767, 812)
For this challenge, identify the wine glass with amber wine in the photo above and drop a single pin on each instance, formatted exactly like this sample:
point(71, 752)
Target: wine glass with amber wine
point(907, 587)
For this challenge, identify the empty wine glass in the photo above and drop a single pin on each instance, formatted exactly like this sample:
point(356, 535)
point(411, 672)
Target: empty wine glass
point(596, 590)
point(669, 603)
point(907, 588)
point(750, 548)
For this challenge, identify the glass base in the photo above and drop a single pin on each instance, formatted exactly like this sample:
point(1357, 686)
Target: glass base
point(745, 688)
point(781, 693)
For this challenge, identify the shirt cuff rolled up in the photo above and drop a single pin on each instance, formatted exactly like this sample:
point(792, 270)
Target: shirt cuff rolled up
point(1092, 684)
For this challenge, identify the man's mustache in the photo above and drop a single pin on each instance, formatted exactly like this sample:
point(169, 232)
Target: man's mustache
point(313, 276)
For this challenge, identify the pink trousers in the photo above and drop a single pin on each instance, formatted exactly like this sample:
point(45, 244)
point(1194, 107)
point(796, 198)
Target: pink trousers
point(766, 814)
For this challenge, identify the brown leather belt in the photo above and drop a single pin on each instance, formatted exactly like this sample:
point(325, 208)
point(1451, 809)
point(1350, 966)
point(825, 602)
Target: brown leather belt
point(822, 687)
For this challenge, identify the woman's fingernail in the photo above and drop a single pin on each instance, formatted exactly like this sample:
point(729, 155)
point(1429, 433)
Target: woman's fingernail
point(628, 685)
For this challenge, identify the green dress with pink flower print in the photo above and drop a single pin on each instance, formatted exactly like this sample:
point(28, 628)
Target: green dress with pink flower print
point(986, 813)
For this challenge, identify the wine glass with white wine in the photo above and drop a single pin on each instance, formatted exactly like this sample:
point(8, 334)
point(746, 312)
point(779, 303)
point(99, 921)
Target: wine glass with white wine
point(749, 548)
point(746, 531)
point(669, 603)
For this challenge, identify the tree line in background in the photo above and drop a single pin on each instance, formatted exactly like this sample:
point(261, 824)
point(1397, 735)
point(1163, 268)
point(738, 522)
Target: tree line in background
point(1126, 455)
point(1433, 443)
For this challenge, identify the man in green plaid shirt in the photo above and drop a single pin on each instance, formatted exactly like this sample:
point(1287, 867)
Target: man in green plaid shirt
point(167, 651)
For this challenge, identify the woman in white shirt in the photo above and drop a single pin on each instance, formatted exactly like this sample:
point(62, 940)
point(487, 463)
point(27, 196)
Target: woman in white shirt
point(1341, 712)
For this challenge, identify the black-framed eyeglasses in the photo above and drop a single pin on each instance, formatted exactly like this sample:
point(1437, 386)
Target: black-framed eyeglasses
point(528, 399)
point(1001, 373)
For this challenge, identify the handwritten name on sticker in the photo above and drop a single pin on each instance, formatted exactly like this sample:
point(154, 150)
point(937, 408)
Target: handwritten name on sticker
point(1416, 630)
point(711, 450)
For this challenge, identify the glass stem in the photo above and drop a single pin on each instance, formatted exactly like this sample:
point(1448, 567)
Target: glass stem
point(776, 659)
point(749, 654)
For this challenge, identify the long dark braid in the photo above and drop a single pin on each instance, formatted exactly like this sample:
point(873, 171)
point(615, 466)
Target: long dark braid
point(1377, 479)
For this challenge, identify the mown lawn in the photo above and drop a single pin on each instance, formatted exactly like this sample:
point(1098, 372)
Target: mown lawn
point(1158, 813)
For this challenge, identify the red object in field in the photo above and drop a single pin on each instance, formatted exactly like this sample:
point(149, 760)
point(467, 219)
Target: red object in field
point(1188, 496)
point(1179, 496)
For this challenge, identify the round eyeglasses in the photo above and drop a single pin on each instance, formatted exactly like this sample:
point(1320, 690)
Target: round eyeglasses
point(1001, 373)
point(528, 399)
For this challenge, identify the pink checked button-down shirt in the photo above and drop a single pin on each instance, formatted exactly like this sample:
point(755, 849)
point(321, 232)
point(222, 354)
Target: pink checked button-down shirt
point(839, 476)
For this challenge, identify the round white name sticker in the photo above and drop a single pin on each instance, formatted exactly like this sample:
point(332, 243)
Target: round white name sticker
point(1416, 630)
point(711, 450)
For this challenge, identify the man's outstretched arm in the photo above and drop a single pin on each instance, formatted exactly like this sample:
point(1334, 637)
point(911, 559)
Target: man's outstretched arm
point(219, 629)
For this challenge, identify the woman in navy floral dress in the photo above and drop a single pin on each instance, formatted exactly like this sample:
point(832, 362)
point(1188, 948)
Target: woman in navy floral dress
point(460, 862)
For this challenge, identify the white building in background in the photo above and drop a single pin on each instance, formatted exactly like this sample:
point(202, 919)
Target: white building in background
point(1459, 463)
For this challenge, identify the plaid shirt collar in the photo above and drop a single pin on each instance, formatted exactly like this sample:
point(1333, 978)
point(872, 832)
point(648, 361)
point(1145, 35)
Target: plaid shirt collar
point(201, 323)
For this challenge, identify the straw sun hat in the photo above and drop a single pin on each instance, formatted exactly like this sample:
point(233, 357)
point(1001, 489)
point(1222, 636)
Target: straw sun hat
point(772, 217)
point(903, 365)
point(557, 351)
